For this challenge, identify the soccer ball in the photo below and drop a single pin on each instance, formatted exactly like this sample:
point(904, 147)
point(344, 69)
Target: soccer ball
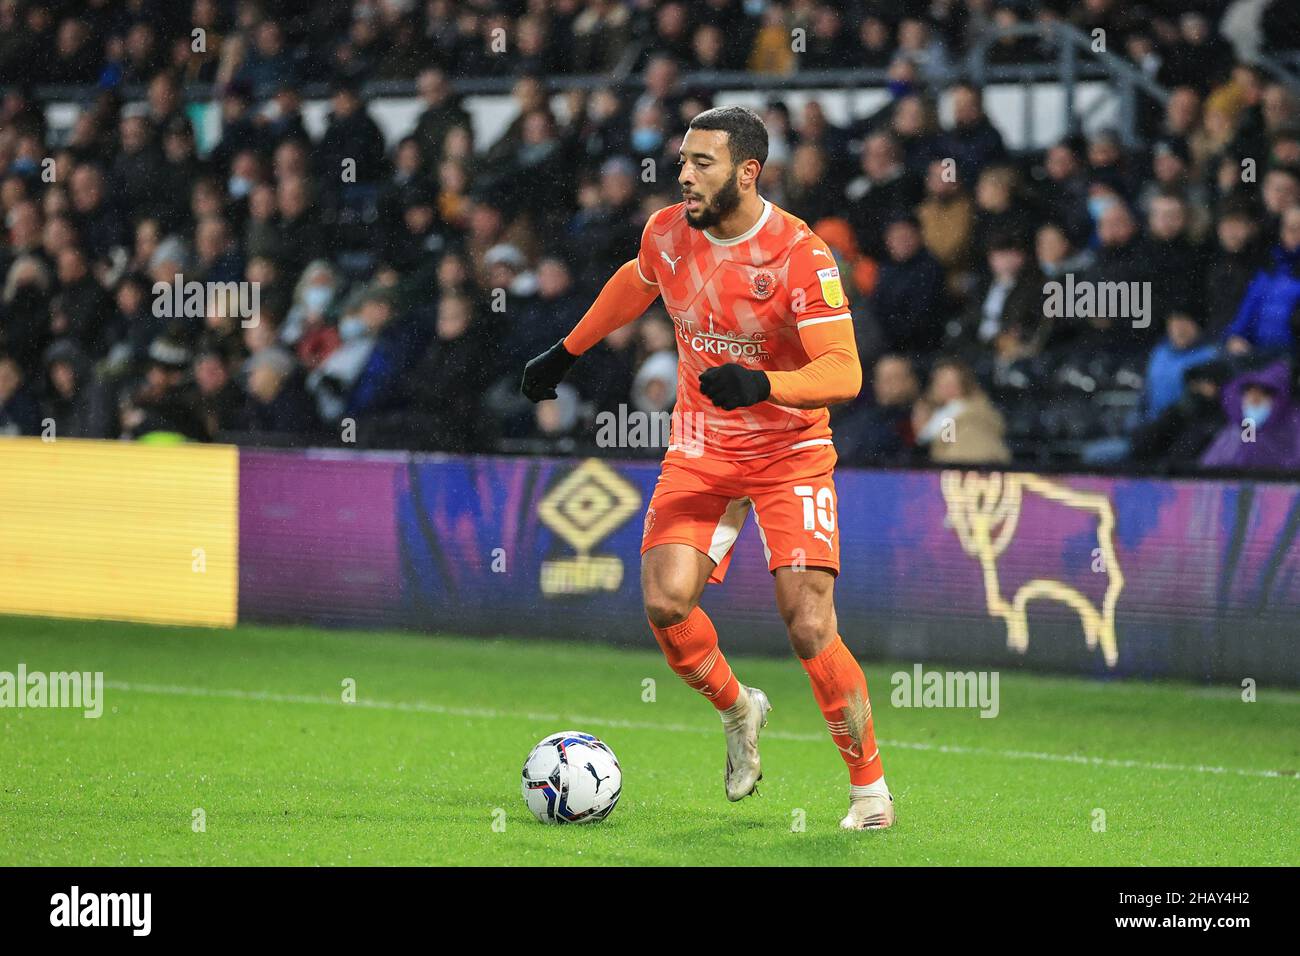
point(571, 777)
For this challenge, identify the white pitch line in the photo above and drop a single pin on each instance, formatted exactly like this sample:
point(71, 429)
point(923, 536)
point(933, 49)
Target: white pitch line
point(486, 713)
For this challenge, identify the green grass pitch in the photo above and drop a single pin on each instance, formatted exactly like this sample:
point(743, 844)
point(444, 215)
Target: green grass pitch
point(249, 726)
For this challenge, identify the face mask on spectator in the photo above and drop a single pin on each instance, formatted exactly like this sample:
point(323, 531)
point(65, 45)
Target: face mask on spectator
point(535, 153)
point(646, 140)
point(1097, 206)
point(316, 298)
point(1257, 412)
point(239, 187)
point(351, 328)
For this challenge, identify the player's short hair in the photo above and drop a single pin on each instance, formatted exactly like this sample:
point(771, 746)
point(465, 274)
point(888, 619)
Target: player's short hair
point(746, 134)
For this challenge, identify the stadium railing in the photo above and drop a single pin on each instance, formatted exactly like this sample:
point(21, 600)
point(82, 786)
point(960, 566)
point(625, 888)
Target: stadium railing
point(1283, 67)
point(1075, 63)
point(1070, 44)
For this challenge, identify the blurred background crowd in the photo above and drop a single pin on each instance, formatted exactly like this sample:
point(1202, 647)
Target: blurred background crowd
point(398, 302)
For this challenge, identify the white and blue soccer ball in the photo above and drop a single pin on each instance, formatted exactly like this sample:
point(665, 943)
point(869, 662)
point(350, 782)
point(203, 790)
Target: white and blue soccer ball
point(572, 777)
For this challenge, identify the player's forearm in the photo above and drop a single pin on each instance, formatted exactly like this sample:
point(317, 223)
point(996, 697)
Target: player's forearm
point(832, 377)
point(833, 373)
point(621, 301)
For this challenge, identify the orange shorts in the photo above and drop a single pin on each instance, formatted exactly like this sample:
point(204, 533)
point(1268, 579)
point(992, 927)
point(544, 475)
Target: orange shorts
point(703, 502)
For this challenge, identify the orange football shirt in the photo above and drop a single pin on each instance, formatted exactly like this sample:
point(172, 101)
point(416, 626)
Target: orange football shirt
point(743, 300)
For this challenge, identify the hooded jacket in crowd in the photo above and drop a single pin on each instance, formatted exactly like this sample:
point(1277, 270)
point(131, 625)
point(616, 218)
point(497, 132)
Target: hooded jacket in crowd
point(1264, 318)
point(1276, 443)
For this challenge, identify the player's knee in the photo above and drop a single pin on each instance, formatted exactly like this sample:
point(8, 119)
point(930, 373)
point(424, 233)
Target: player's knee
point(810, 632)
point(666, 606)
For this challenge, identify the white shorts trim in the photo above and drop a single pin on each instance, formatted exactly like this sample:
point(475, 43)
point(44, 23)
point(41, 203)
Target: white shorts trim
point(799, 444)
point(728, 529)
point(767, 552)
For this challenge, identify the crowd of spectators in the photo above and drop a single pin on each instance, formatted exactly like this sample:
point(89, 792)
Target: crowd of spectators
point(396, 303)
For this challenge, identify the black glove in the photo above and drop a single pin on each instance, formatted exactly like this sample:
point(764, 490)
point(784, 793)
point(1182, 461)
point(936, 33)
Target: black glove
point(734, 386)
point(546, 371)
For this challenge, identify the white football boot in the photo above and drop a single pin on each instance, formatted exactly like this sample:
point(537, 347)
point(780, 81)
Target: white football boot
point(870, 808)
point(742, 722)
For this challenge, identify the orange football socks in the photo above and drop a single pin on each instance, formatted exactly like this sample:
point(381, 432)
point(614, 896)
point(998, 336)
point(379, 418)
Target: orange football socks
point(692, 651)
point(841, 691)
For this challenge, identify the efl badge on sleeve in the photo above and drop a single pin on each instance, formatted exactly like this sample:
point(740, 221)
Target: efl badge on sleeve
point(832, 291)
point(762, 284)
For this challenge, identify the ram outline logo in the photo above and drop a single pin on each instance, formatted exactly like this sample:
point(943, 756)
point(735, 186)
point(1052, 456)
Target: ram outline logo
point(984, 511)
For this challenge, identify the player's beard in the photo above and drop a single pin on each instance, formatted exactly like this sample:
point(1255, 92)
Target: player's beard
point(722, 205)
